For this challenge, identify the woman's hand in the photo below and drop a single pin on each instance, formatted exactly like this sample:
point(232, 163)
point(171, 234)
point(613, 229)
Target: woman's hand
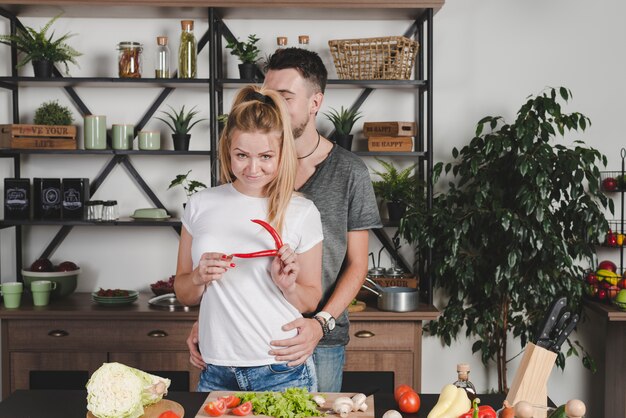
point(285, 269)
point(211, 267)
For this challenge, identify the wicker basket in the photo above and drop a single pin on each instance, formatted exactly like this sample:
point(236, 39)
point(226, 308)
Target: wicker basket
point(387, 58)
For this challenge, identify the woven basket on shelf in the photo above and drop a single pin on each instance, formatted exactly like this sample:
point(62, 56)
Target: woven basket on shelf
point(386, 58)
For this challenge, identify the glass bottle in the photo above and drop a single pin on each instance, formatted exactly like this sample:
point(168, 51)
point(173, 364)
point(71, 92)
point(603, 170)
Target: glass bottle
point(187, 51)
point(281, 42)
point(129, 59)
point(303, 41)
point(463, 381)
point(162, 64)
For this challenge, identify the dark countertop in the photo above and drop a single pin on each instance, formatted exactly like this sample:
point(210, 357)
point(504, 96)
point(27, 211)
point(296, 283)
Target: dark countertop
point(73, 403)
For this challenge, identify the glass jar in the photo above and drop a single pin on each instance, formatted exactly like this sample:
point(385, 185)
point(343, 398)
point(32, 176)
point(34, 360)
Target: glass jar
point(94, 210)
point(187, 51)
point(129, 59)
point(463, 381)
point(303, 41)
point(162, 64)
point(281, 42)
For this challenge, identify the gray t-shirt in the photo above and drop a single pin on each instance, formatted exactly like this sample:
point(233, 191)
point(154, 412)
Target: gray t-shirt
point(342, 190)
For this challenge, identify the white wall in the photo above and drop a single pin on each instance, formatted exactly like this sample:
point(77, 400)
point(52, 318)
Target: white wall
point(489, 56)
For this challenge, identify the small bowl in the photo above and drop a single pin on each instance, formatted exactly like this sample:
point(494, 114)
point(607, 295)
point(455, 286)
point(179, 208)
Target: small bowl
point(66, 281)
point(158, 291)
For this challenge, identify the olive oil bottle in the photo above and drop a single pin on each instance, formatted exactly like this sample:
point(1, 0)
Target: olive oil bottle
point(187, 51)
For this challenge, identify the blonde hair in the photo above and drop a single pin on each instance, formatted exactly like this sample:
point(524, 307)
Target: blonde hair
point(258, 109)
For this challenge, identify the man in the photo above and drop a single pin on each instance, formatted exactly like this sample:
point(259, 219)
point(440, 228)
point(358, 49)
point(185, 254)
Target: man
point(339, 184)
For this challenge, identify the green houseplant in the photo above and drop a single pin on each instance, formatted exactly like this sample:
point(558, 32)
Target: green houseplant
point(248, 53)
point(396, 187)
point(514, 228)
point(343, 121)
point(52, 113)
point(41, 49)
point(190, 186)
point(181, 122)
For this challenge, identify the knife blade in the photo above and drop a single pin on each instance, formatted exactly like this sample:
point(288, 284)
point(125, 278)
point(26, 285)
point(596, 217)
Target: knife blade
point(560, 339)
point(550, 320)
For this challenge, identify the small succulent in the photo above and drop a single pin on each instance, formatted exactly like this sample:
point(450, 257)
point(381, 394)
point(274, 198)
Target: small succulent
point(247, 52)
point(190, 186)
point(343, 119)
point(52, 113)
point(181, 122)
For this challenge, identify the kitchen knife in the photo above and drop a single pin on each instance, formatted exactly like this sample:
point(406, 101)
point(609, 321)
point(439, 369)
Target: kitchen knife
point(560, 324)
point(547, 325)
point(560, 339)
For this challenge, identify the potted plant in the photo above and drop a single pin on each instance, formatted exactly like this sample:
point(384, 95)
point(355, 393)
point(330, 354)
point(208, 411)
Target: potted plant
point(40, 48)
point(181, 123)
point(52, 113)
point(248, 53)
point(190, 186)
point(343, 121)
point(513, 229)
point(395, 187)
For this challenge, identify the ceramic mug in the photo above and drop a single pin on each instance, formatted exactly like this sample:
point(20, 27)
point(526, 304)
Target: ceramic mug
point(149, 140)
point(12, 294)
point(41, 290)
point(123, 136)
point(95, 127)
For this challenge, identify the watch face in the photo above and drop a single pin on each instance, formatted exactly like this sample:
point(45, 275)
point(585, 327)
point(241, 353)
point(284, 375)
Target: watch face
point(331, 323)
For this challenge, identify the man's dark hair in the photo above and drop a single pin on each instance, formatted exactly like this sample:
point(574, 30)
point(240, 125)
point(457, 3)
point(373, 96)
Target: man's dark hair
point(308, 64)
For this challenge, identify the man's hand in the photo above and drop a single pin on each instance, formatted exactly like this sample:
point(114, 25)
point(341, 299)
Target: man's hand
point(297, 349)
point(195, 357)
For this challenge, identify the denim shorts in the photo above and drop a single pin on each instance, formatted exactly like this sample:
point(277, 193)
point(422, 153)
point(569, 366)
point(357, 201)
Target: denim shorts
point(272, 377)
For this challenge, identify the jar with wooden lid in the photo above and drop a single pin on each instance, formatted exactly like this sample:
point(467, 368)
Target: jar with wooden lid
point(129, 59)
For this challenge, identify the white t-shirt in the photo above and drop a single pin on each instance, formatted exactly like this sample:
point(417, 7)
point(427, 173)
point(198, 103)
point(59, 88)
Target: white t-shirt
point(244, 310)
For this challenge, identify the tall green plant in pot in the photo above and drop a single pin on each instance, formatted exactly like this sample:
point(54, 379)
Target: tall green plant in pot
point(515, 228)
point(41, 49)
point(396, 187)
point(181, 122)
point(343, 121)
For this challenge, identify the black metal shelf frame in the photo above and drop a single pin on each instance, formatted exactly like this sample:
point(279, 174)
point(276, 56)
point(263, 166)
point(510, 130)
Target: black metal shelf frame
point(216, 84)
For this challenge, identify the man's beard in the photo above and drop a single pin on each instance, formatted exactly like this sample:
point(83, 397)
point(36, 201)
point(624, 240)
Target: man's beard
point(298, 130)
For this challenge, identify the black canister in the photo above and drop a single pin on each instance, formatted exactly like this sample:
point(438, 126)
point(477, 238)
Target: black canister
point(47, 198)
point(75, 194)
point(17, 201)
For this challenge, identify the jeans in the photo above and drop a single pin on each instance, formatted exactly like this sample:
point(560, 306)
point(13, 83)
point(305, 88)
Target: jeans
point(329, 361)
point(272, 377)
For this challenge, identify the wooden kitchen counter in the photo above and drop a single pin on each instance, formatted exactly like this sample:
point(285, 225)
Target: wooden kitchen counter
point(75, 336)
point(615, 358)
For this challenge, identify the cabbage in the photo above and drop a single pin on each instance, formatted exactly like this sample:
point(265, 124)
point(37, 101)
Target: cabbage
point(118, 391)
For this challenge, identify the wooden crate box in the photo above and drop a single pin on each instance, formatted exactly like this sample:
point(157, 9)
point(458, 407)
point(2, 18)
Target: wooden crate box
point(387, 129)
point(38, 136)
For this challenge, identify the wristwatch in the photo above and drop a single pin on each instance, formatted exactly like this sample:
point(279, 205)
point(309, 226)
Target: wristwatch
point(326, 320)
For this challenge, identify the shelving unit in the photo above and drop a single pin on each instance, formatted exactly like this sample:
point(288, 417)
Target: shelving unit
point(421, 12)
point(617, 226)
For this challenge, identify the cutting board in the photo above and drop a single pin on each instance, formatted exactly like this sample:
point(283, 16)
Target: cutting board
point(154, 410)
point(330, 398)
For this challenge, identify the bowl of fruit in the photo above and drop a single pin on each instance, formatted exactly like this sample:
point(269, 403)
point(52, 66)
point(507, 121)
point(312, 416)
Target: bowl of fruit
point(163, 287)
point(64, 274)
point(604, 283)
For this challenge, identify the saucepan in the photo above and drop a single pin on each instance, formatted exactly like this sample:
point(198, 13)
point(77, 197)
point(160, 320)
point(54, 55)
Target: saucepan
point(394, 298)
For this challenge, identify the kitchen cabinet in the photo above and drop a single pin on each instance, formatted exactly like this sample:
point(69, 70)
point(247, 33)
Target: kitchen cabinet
point(420, 11)
point(76, 335)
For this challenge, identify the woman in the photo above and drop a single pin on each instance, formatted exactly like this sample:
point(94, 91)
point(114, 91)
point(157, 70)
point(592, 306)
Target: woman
point(245, 301)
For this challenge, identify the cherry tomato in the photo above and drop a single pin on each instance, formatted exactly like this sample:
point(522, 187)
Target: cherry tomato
point(243, 409)
point(400, 390)
point(409, 402)
point(169, 414)
point(231, 401)
point(215, 408)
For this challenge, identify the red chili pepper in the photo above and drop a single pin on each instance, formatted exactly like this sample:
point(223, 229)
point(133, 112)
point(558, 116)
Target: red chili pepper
point(264, 253)
point(271, 230)
point(483, 411)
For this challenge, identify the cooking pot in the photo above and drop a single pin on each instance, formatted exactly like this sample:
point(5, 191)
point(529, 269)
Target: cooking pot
point(394, 298)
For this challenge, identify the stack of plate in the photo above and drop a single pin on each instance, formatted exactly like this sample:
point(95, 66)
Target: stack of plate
point(115, 300)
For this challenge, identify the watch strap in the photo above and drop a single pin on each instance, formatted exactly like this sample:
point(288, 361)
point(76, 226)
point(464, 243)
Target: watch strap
point(323, 324)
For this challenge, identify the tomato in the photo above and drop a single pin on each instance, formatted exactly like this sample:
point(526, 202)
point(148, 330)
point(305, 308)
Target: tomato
point(400, 390)
point(169, 414)
point(231, 401)
point(243, 409)
point(409, 402)
point(215, 408)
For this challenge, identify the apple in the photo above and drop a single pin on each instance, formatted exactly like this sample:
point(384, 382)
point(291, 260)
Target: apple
point(609, 184)
point(621, 296)
point(607, 265)
point(622, 284)
point(605, 285)
point(602, 294)
point(42, 265)
point(612, 292)
point(66, 266)
point(591, 290)
point(591, 278)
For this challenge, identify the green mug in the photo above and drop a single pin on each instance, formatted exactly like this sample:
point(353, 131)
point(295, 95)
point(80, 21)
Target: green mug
point(41, 290)
point(12, 294)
